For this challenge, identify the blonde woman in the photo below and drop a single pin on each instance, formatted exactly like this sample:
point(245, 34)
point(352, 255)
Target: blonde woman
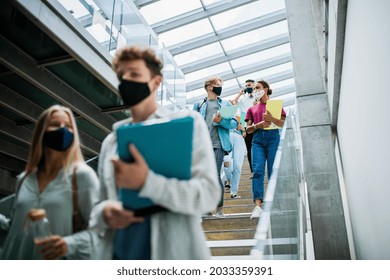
point(55, 158)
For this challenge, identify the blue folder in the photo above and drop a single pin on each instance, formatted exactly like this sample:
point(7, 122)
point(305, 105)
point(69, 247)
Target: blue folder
point(166, 145)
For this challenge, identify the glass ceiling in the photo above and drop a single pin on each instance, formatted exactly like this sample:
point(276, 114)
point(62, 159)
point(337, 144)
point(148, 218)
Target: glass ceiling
point(236, 40)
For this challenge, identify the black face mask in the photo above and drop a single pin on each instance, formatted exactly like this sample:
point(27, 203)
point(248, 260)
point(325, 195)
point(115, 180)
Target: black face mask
point(59, 140)
point(133, 93)
point(249, 90)
point(217, 90)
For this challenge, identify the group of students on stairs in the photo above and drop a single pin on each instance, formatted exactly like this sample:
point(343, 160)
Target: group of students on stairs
point(250, 128)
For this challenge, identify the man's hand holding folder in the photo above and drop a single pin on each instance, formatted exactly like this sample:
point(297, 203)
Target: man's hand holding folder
point(161, 145)
point(139, 170)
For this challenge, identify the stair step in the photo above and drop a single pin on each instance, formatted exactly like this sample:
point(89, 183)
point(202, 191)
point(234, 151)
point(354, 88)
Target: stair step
point(231, 243)
point(231, 247)
point(230, 234)
point(241, 208)
point(238, 201)
point(242, 193)
point(230, 221)
point(231, 251)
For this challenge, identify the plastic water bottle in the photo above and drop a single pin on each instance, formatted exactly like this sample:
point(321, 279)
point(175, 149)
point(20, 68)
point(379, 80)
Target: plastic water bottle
point(38, 225)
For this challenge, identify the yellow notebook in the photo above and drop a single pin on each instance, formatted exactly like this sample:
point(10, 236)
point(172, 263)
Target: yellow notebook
point(275, 108)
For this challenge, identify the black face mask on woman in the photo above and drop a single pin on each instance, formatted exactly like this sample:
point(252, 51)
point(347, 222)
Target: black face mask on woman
point(60, 139)
point(133, 93)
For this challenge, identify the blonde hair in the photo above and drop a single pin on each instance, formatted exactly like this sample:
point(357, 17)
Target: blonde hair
point(211, 81)
point(36, 155)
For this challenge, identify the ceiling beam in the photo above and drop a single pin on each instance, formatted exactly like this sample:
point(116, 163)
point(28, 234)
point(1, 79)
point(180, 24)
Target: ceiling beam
point(11, 149)
point(275, 61)
point(236, 53)
point(30, 111)
point(19, 104)
point(20, 63)
point(55, 60)
point(54, 20)
point(228, 32)
point(12, 164)
point(143, 3)
point(196, 15)
point(10, 129)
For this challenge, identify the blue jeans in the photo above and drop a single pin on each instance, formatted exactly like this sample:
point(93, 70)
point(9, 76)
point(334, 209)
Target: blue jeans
point(227, 170)
point(264, 146)
point(238, 154)
point(219, 154)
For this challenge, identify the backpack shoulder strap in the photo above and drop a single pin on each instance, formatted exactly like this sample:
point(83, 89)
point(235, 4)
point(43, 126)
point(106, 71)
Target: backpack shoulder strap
point(201, 104)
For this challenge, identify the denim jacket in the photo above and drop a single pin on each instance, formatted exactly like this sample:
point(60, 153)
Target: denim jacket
point(224, 126)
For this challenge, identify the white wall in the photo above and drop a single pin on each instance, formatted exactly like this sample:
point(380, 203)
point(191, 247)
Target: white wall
point(364, 127)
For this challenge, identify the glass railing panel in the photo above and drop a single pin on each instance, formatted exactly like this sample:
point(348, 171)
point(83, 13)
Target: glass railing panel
point(115, 24)
point(282, 228)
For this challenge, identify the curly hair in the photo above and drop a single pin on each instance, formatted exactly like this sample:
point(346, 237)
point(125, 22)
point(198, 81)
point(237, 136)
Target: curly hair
point(152, 61)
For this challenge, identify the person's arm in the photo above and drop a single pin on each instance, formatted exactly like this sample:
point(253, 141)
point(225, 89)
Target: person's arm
point(234, 101)
point(228, 123)
point(269, 118)
point(240, 128)
point(225, 122)
point(199, 194)
point(109, 213)
point(252, 127)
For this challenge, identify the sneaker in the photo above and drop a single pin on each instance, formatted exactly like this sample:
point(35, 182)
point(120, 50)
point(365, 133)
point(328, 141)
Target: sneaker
point(227, 186)
point(235, 196)
point(256, 212)
point(219, 213)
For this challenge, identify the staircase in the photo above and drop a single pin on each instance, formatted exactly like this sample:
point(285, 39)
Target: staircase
point(232, 237)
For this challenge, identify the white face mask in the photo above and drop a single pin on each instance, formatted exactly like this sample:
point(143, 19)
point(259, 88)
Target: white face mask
point(259, 94)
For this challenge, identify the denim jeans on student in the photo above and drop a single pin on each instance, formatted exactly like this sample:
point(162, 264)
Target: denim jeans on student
point(219, 154)
point(227, 170)
point(248, 144)
point(264, 146)
point(238, 154)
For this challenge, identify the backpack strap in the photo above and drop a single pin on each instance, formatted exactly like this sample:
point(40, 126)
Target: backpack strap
point(201, 104)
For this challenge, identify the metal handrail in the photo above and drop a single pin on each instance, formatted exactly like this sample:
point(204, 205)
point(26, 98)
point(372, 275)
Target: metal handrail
point(265, 217)
point(302, 237)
